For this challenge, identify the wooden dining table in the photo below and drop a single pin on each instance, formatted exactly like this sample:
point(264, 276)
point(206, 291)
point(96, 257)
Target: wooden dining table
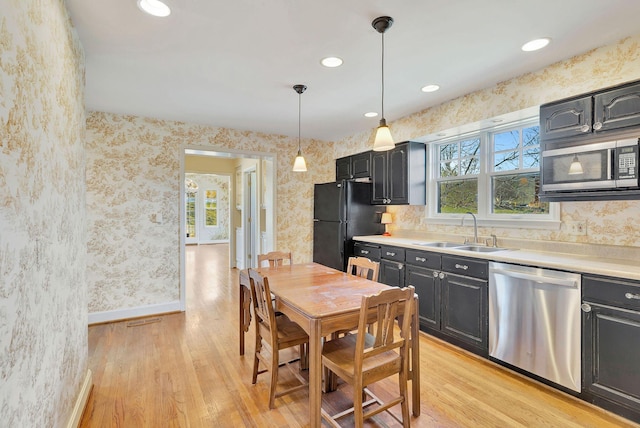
point(323, 300)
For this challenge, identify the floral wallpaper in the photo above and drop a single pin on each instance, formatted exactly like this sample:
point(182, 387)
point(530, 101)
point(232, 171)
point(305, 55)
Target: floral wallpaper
point(43, 298)
point(608, 222)
point(133, 172)
point(221, 184)
point(133, 168)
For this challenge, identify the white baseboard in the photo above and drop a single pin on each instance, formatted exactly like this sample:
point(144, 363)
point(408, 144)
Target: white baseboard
point(140, 311)
point(81, 402)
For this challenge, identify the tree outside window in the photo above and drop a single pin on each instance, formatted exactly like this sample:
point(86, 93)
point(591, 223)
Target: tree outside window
point(494, 174)
point(211, 208)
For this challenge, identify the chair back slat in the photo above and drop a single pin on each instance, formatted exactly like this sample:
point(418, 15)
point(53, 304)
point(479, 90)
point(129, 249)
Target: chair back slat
point(363, 267)
point(261, 295)
point(274, 258)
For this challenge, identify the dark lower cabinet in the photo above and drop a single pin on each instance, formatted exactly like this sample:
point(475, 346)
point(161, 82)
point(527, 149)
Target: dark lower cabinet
point(453, 307)
point(427, 285)
point(392, 266)
point(391, 273)
point(465, 310)
point(611, 345)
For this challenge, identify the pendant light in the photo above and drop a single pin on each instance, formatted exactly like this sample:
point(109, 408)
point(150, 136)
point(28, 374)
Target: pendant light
point(299, 165)
point(576, 167)
point(383, 140)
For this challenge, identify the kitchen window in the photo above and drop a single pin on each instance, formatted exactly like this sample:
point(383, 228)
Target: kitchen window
point(494, 173)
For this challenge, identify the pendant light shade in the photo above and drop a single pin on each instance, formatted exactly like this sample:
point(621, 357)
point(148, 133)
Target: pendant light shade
point(576, 166)
point(299, 165)
point(383, 140)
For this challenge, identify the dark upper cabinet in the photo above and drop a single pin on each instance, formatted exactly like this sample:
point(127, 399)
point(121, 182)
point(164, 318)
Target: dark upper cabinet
point(611, 344)
point(591, 115)
point(616, 109)
point(399, 175)
point(566, 119)
point(354, 167)
point(343, 168)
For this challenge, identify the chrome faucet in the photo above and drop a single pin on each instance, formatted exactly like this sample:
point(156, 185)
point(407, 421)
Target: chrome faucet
point(475, 226)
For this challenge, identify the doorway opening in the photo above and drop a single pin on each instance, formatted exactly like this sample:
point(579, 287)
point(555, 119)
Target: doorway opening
point(249, 195)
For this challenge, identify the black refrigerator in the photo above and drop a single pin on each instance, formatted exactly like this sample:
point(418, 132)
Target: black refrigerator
point(342, 210)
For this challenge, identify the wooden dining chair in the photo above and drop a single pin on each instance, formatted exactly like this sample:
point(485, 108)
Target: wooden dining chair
point(273, 333)
point(364, 267)
point(275, 258)
point(364, 358)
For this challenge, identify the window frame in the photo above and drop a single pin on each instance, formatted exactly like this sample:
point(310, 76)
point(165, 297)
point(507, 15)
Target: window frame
point(485, 215)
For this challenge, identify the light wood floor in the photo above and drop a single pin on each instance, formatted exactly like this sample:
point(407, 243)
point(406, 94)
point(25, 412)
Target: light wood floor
point(183, 370)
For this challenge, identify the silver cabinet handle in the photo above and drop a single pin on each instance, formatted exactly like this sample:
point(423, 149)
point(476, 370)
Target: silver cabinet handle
point(390, 254)
point(400, 266)
point(420, 259)
point(464, 267)
point(585, 307)
point(632, 296)
point(364, 251)
point(441, 275)
point(435, 274)
point(584, 128)
point(597, 125)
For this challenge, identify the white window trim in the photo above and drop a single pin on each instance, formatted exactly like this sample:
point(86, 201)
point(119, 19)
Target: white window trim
point(484, 216)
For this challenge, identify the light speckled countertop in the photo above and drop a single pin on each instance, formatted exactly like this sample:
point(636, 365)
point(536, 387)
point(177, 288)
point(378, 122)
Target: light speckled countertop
point(620, 268)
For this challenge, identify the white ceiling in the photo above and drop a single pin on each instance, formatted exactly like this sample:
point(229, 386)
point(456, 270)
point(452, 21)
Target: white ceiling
point(233, 63)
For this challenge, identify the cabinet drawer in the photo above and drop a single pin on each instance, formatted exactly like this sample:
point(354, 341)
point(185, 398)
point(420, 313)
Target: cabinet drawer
point(393, 253)
point(369, 251)
point(423, 258)
point(611, 291)
point(467, 267)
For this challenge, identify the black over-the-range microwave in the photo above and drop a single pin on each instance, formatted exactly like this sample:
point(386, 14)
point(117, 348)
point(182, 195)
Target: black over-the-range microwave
point(590, 169)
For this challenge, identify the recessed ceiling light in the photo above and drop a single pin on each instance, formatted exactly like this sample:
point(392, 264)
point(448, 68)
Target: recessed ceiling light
point(154, 7)
point(536, 44)
point(331, 61)
point(430, 88)
point(371, 114)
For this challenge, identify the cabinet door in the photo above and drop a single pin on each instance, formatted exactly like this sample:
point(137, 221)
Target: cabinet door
point(428, 289)
point(617, 109)
point(378, 178)
point(343, 168)
point(392, 273)
point(361, 165)
point(611, 352)
point(465, 310)
point(566, 119)
point(397, 174)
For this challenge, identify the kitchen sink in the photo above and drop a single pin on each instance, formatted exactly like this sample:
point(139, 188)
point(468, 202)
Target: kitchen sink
point(438, 244)
point(479, 248)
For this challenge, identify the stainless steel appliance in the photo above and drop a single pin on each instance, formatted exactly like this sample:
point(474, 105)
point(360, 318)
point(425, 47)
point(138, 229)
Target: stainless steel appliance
point(342, 210)
point(534, 321)
point(600, 166)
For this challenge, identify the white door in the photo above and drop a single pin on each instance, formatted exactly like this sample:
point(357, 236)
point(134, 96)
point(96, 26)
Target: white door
point(251, 221)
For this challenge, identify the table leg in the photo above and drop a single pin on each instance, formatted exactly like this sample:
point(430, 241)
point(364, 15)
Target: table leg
point(415, 359)
point(315, 374)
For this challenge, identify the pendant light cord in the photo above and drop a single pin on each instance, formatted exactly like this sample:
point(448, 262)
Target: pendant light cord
point(299, 119)
point(382, 116)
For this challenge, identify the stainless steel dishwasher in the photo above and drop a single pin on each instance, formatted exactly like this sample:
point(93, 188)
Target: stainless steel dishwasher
point(534, 321)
